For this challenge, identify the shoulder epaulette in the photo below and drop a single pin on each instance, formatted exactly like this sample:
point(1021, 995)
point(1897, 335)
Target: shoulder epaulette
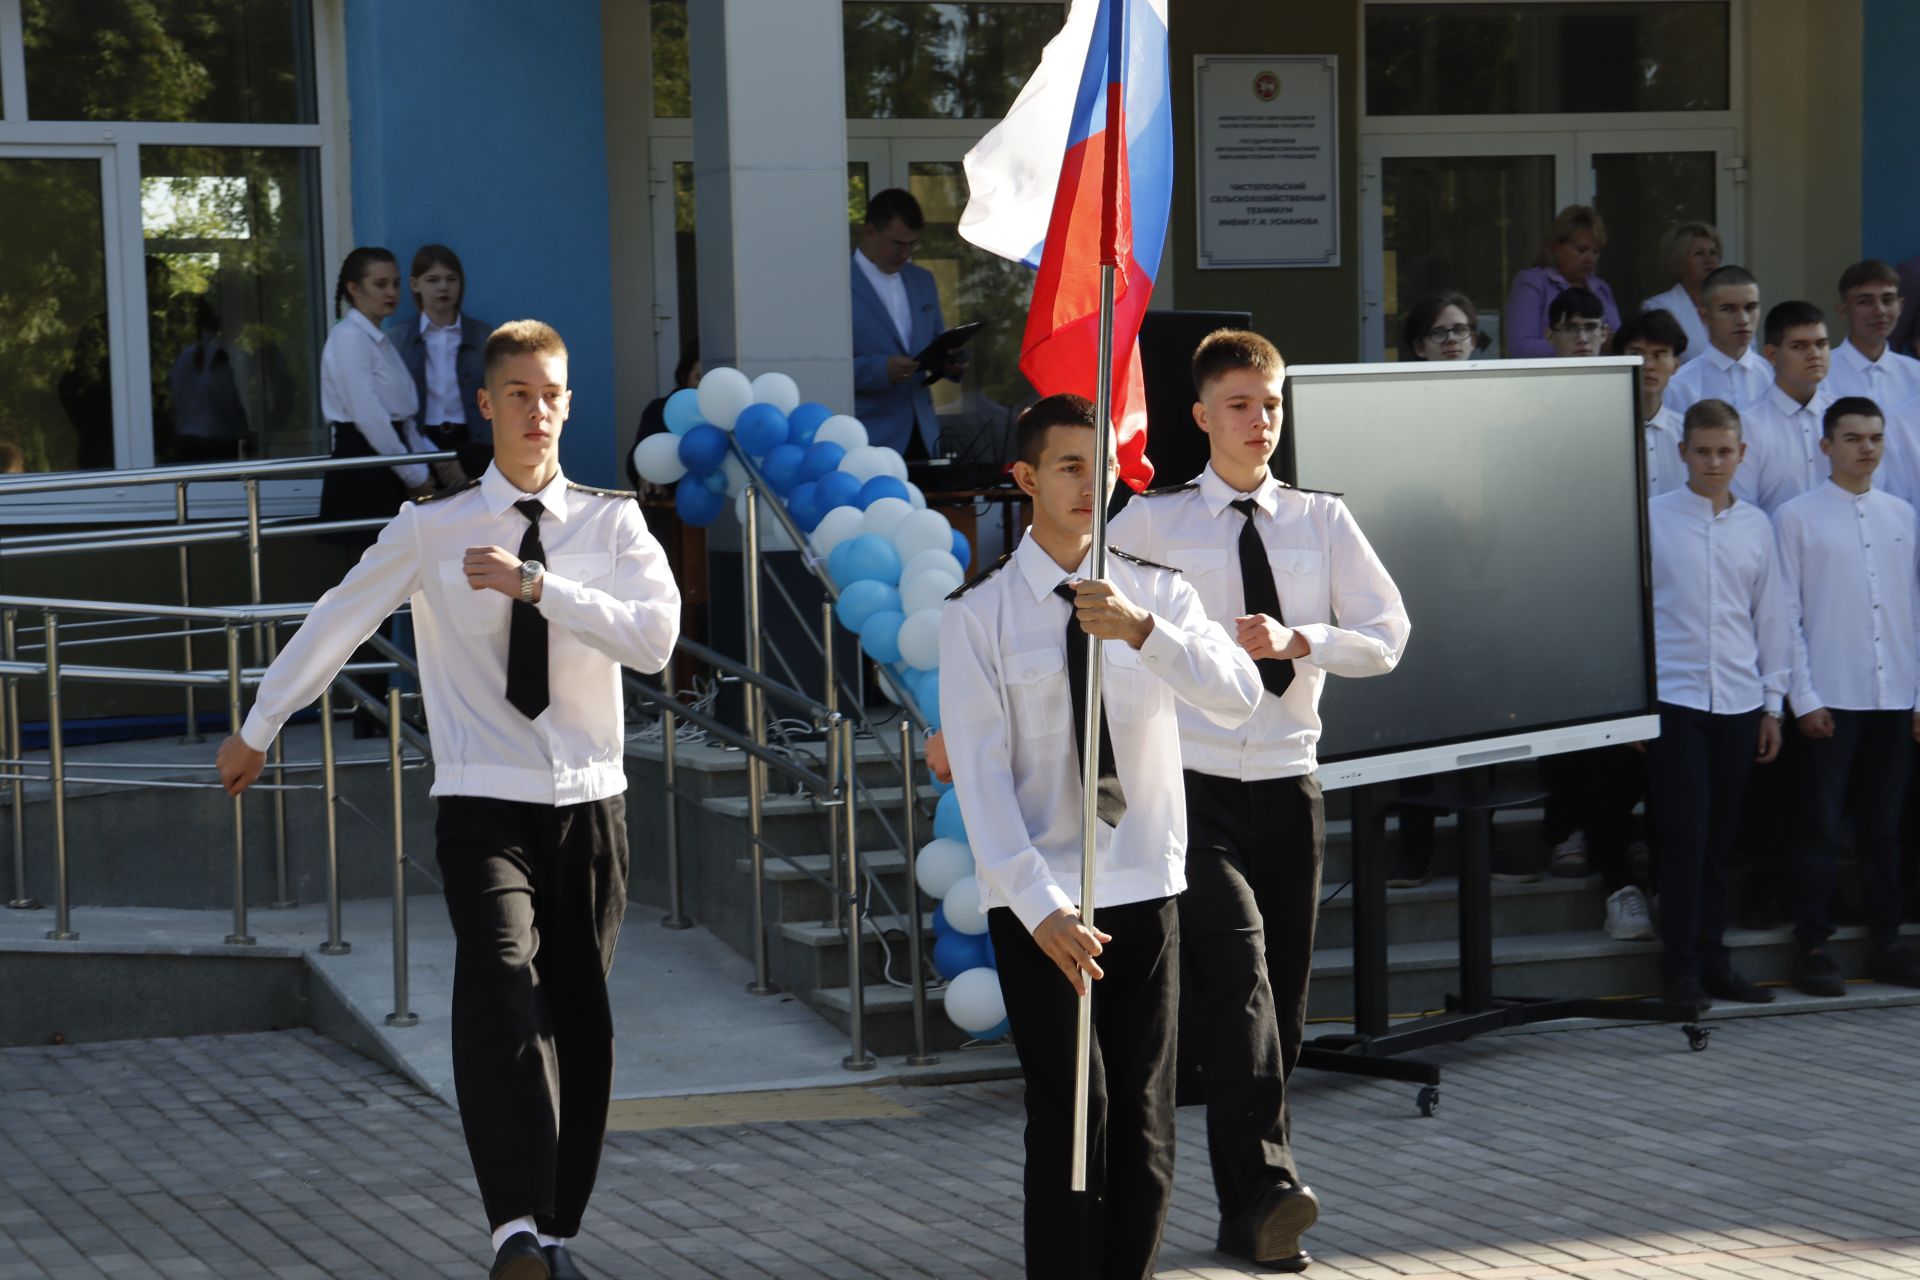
point(447, 493)
point(1130, 558)
point(601, 493)
point(973, 582)
point(1294, 488)
point(1164, 489)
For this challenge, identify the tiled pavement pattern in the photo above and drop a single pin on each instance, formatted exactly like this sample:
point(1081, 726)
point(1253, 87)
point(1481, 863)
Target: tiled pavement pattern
point(1787, 1149)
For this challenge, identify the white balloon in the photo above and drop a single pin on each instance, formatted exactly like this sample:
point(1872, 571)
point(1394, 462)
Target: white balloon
point(866, 462)
point(835, 528)
point(899, 465)
point(723, 393)
point(778, 390)
point(943, 560)
point(961, 903)
point(841, 430)
point(773, 534)
point(917, 498)
point(974, 1001)
point(922, 531)
point(657, 458)
point(927, 591)
point(941, 865)
point(920, 639)
point(884, 516)
point(736, 474)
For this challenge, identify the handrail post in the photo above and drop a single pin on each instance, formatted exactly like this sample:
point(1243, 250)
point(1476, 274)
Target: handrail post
point(20, 901)
point(916, 963)
point(253, 559)
point(832, 702)
point(335, 945)
point(282, 896)
point(192, 734)
point(401, 1016)
point(858, 1059)
point(239, 937)
point(676, 917)
point(62, 930)
point(762, 984)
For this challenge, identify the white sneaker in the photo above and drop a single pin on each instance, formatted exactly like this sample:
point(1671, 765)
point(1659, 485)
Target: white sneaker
point(1570, 856)
point(1627, 917)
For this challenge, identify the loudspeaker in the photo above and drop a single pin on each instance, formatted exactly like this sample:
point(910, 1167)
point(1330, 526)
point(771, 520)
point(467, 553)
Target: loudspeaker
point(1168, 339)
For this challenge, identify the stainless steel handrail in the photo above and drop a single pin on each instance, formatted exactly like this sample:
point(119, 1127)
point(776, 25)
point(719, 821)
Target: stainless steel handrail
point(207, 472)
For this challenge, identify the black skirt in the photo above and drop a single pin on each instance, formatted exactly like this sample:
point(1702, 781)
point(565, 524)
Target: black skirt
point(365, 493)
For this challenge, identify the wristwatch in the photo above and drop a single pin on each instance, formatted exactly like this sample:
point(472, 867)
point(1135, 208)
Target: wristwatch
point(530, 571)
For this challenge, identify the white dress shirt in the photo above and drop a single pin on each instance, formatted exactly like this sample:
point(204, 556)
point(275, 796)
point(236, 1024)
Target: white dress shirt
point(1784, 458)
point(364, 381)
point(1721, 637)
point(1715, 377)
point(1679, 304)
point(1666, 469)
point(442, 342)
point(609, 599)
point(1848, 562)
point(1892, 379)
point(893, 295)
point(1007, 717)
point(1899, 469)
point(1333, 590)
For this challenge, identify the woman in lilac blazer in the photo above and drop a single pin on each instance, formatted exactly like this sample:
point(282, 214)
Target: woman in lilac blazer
point(1569, 257)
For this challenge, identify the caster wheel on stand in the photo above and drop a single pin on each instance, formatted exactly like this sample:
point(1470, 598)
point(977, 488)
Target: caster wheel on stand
point(1697, 1036)
point(1429, 1099)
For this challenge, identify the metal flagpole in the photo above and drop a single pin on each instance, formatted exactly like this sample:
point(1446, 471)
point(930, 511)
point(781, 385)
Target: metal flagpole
point(1097, 567)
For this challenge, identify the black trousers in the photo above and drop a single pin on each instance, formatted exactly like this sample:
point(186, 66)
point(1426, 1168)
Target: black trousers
point(1696, 776)
point(1595, 791)
point(1861, 770)
point(1254, 854)
point(1112, 1230)
point(536, 894)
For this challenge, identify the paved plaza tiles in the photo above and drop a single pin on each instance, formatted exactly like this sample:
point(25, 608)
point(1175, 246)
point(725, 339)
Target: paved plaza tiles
point(1787, 1149)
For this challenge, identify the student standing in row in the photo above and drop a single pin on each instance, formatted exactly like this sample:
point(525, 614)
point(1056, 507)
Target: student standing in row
point(1291, 573)
point(520, 657)
point(1783, 428)
point(1723, 651)
point(1848, 552)
point(1656, 337)
point(1865, 364)
point(1012, 652)
point(1729, 369)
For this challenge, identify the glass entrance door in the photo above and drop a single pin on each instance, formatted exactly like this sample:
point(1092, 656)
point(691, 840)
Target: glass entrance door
point(1644, 182)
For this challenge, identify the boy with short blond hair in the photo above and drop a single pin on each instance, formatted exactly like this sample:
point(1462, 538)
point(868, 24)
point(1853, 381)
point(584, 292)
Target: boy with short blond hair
point(1729, 369)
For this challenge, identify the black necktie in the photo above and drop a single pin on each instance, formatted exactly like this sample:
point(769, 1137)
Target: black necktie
point(1256, 580)
point(527, 636)
point(1109, 801)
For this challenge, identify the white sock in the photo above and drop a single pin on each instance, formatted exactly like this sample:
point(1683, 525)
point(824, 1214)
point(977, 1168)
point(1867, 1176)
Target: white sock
point(548, 1242)
point(502, 1232)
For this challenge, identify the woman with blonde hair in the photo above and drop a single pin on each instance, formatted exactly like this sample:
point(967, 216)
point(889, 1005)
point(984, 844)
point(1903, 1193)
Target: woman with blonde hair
point(1569, 256)
point(1691, 250)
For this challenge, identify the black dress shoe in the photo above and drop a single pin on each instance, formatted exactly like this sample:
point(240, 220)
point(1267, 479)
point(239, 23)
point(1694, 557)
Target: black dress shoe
point(1816, 974)
point(560, 1264)
point(1731, 986)
point(1687, 992)
point(520, 1258)
point(1269, 1231)
point(1897, 967)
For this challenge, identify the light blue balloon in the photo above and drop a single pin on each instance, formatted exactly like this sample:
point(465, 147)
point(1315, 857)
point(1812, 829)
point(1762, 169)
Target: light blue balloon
point(759, 428)
point(682, 411)
point(947, 822)
point(696, 503)
point(928, 696)
point(942, 788)
point(872, 556)
point(880, 633)
point(863, 598)
point(703, 448)
point(804, 421)
point(837, 565)
point(781, 468)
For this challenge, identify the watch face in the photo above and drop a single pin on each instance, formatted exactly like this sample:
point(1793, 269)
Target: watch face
point(531, 568)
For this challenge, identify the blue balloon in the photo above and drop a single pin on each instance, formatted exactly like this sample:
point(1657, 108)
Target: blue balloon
point(716, 480)
point(880, 633)
point(696, 503)
point(703, 448)
point(947, 822)
point(942, 788)
point(999, 1032)
point(861, 599)
point(836, 489)
point(759, 428)
point(781, 467)
point(871, 556)
point(938, 921)
point(804, 421)
point(961, 551)
point(877, 488)
point(804, 506)
point(955, 953)
point(823, 458)
point(928, 696)
point(838, 562)
point(682, 411)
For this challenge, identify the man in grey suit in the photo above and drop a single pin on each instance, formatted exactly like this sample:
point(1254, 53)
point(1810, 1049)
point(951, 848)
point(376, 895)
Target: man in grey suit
point(896, 313)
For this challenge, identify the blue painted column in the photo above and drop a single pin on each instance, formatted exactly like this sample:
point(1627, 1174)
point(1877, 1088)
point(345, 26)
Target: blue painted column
point(1889, 141)
point(481, 125)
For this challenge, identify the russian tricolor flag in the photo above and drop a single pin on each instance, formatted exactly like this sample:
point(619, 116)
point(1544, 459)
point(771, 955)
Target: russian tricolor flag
point(1080, 173)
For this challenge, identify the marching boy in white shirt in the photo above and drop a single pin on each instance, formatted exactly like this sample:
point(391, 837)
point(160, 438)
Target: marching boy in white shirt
point(1011, 645)
point(520, 657)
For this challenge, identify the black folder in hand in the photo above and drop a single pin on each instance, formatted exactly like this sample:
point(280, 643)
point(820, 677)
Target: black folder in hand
point(932, 359)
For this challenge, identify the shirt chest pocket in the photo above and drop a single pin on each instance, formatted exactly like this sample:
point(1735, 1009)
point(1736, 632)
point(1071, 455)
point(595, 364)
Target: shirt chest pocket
point(1037, 692)
point(1301, 579)
point(1132, 692)
point(473, 612)
point(588, 568)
